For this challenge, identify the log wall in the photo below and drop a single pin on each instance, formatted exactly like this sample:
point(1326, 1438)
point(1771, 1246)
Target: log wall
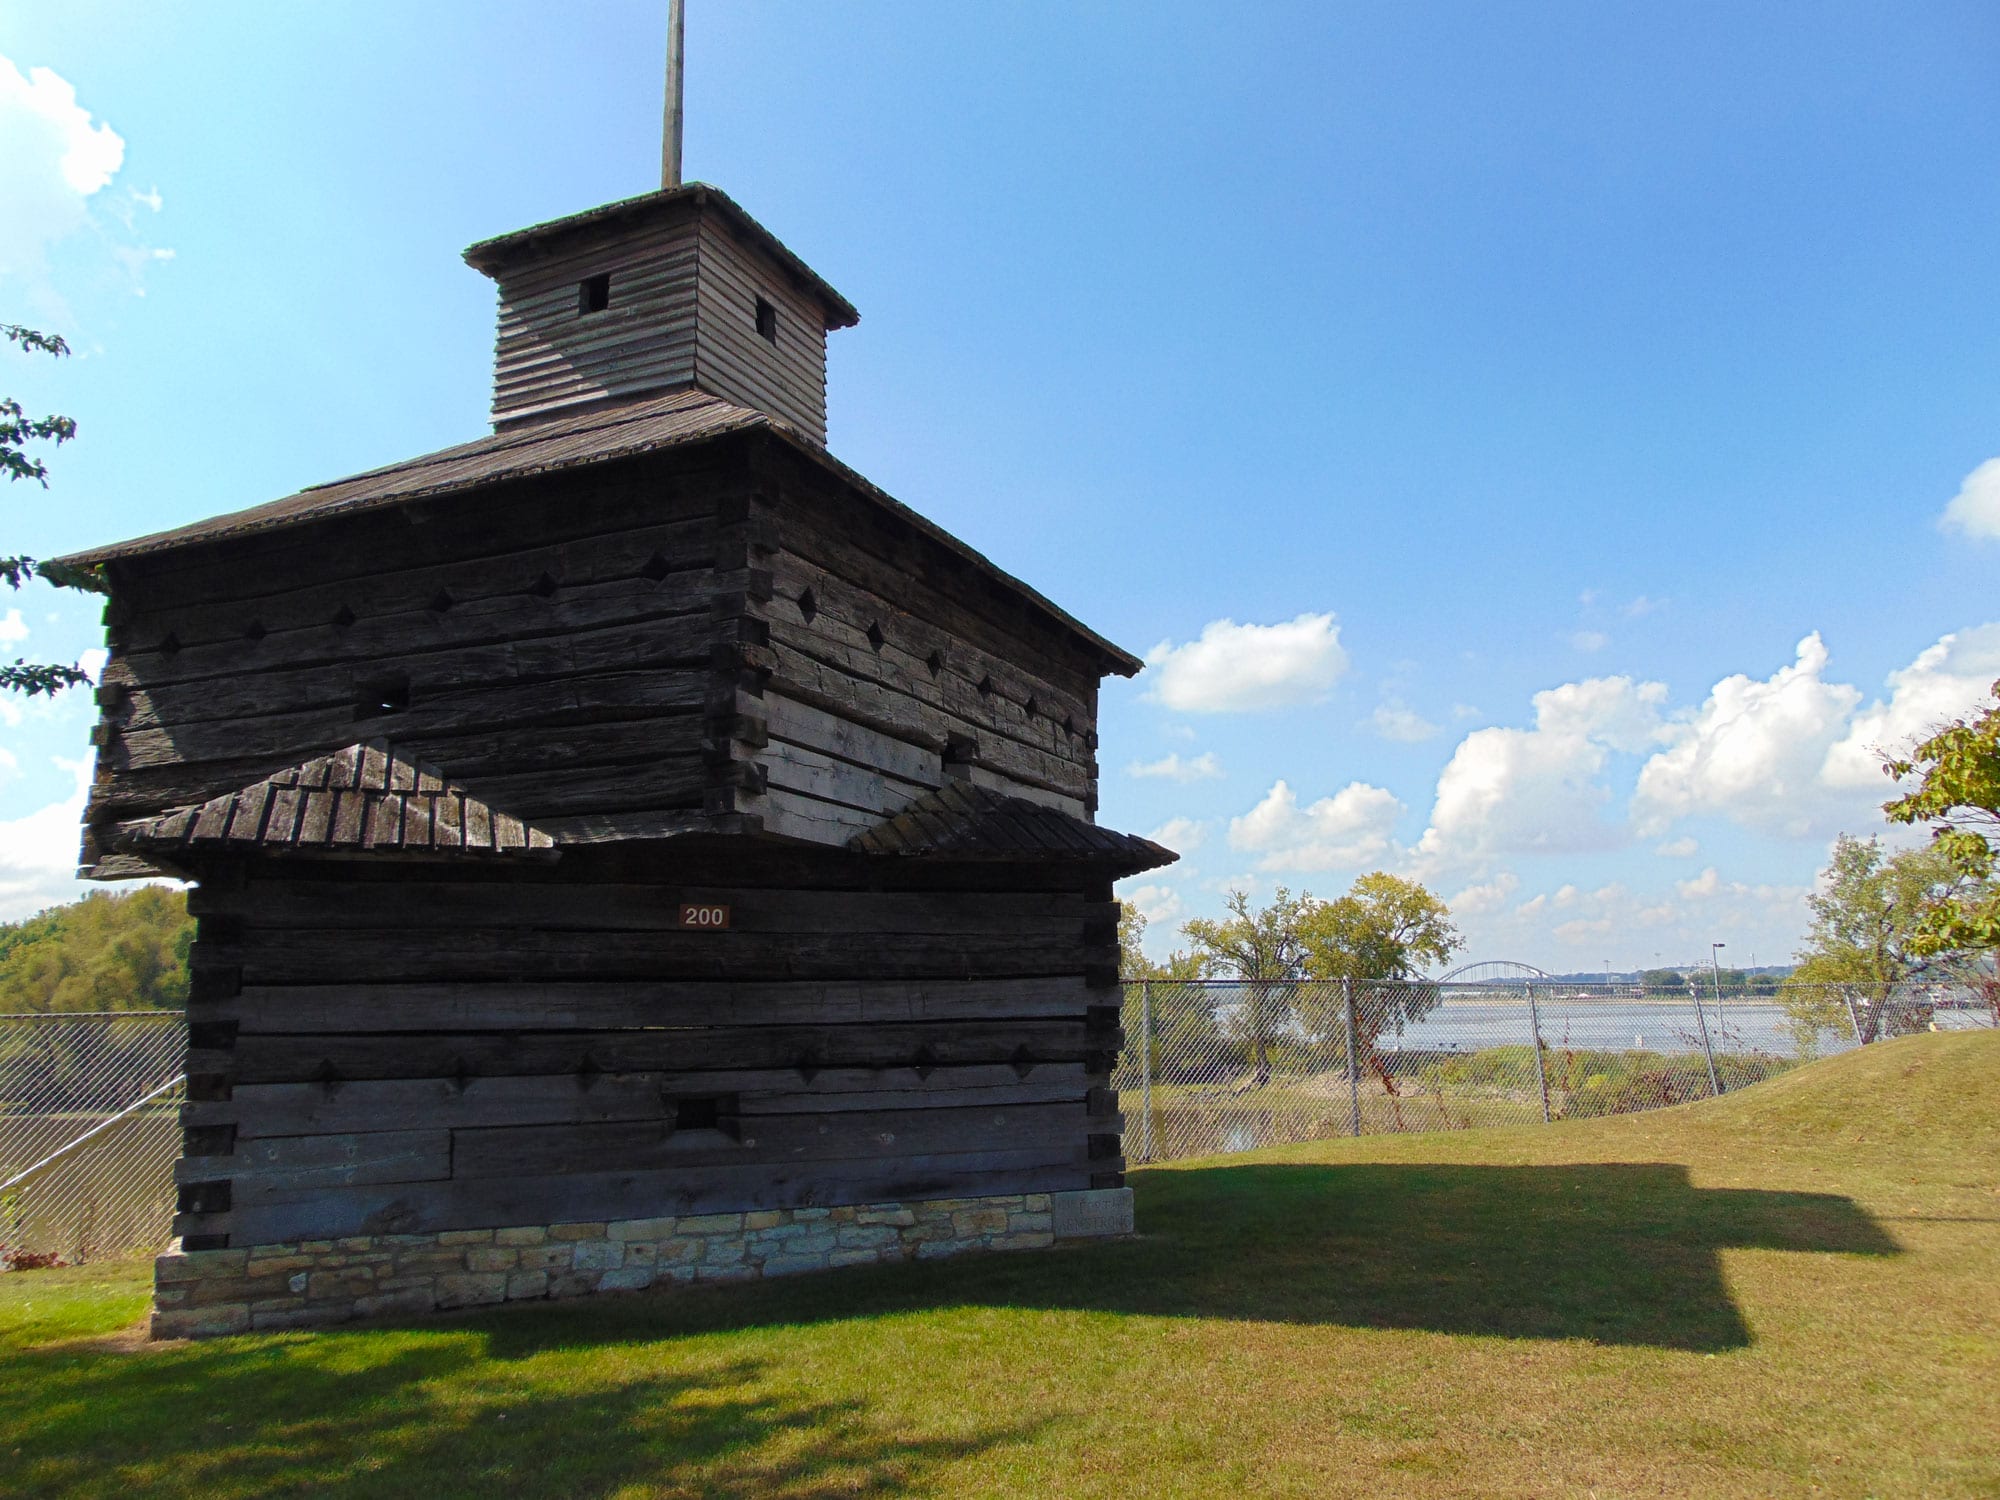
point(380, 1050)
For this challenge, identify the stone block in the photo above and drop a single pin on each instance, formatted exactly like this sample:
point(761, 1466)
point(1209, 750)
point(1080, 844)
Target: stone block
point(793, 1265)
point(626, 1279)
point(807, 1215)
point(301, 1317)
point(1029, 1219)
point(170, 1296)
point(405, 1302)
point(641, 1229)
point(715, 1252)
point(328, 1286)
point(466, 1237)
point(429, 1262)
point(1037, 1239)
point(975, 1221)
point(1091, 1213)
point(527, 1234)
point(644, 1252)
point(598, 1255)
point(491, 1258)
point(546, 1257)
point(577, 1231)
point(939, 1249)
point(854, 1236)
point(523, 1284)
point(711, 1224)
point(573, 1283)
point(763, 1218)
point(315, 1247)
point(854, 1257)
point(471, 1290)
point(900, 1218)
point(737, 1271)
point(296, 1282)
point(202, 1322)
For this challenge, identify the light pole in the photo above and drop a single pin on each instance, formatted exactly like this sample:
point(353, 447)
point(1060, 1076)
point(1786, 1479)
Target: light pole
point(1715, 968)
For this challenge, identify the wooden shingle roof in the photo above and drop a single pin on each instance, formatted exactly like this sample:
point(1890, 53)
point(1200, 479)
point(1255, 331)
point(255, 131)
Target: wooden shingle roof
point(367, 797)
point(963, 821)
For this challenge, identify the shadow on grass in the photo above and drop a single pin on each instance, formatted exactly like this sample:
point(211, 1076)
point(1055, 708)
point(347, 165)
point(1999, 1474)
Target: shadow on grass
point(1616, 1253)
point(432, 1413)
point(588, 1396)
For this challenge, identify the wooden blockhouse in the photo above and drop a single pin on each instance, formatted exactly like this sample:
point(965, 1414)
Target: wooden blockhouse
point(630, 843)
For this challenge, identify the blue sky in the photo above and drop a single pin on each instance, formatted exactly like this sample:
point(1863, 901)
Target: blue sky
point(1538, 447)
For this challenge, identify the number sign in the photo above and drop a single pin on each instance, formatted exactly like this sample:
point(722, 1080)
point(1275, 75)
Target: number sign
point(704, 917)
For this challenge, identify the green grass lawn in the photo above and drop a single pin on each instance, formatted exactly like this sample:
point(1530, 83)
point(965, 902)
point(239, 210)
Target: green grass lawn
point(1794, 1290)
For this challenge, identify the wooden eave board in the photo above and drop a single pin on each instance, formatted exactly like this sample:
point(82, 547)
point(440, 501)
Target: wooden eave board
point(963, 821)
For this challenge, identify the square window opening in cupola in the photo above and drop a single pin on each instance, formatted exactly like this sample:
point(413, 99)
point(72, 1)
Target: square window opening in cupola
point(593, 293)
point(767, 321)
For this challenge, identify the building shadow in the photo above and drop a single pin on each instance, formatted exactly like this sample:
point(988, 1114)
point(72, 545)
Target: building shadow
point(1626, 1253)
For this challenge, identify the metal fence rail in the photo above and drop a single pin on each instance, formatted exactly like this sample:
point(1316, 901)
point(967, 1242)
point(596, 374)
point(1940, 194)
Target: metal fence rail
point(1231, 1065)
point(89, 1130)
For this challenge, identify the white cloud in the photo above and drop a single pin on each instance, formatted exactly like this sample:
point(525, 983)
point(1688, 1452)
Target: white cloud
point(1541, 790)
point(1643, 605)
point(13, 629)
point(1160, 905)
point(1753, 752)
point(38, 852)
point(1590, 640)
point(1182, 835)
point(1203, 767)
point(1232, 668)
point(56, 158)
point(1680, 848)
point(1348, 829)
point(1491, 895)
point(1943, 682)
point(1396, 720)
point(1975, 509)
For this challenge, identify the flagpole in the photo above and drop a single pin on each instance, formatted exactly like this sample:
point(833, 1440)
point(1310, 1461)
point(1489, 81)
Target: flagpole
point(670, 151)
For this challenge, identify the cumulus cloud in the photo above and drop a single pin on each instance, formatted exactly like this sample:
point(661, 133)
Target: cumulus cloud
point(1975, 509)
point(1487, 896)
point(1232, 668)
point(1182, 835)
point(1349, 829)
point(1752, 752)
point(1396, 720)
point(1642, 606)
point(1542, 790)
point(1203, 767)
point(1160, 905)
point(13, 629)
point(56, 158)
point(1941, 684)
point(38, 852)
point(1680, 848)
point(1590, 640)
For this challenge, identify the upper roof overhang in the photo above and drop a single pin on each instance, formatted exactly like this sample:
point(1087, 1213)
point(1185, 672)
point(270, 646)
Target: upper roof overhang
point(498, 254)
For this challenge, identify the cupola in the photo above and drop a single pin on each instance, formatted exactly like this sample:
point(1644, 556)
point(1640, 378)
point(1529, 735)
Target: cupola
point(673, 290)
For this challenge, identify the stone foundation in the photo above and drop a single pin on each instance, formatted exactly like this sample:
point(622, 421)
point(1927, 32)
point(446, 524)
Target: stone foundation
point(205, 1293)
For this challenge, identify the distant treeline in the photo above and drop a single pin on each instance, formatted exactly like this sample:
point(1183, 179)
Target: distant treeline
point(124, 951)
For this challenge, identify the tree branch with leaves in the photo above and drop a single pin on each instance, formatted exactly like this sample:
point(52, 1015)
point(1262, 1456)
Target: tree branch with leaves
point(17, 431)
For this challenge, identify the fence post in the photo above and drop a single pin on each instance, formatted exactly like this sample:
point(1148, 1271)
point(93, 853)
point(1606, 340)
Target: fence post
point(1853, 1015)
point(1353, 1069)
point(1541, 1077)
point(1146, 1069)
point(1707, 1048)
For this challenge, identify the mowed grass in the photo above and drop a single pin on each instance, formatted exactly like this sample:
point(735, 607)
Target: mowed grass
point(1791, 1291)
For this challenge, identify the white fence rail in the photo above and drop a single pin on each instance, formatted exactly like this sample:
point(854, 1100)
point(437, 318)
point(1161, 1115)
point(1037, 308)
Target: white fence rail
point(89, 1130)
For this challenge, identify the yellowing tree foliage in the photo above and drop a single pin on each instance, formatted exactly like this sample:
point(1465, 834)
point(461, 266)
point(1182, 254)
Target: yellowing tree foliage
point(125, 951)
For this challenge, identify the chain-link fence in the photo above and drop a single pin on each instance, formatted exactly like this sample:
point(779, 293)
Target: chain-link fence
point(89, 1130)
point(1231, 1065)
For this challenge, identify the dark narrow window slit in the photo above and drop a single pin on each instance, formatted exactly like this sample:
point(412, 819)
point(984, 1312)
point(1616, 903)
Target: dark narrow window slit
point(767, 321)
point(593, 293)
point(381, 695)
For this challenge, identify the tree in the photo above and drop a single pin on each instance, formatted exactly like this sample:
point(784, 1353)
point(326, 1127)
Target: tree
point(109, 951)
point(17, 429)
point(1958, 794)
point(1867, 925)
point(1187, 1042)
point(1384, 929)
point(1261, 948)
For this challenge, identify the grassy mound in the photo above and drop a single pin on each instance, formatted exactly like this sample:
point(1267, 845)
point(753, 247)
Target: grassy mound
point(1788, 1291)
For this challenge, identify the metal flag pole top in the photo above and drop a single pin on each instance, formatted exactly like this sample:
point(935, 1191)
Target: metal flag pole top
point(670, 149)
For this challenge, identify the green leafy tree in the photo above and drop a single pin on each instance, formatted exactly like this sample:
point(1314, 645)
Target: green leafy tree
point(17, 431)
point(1263, 949)
point(1187, 1041)
point(109, 951)
point(1958, 794)
point(1384, 929)
point(1867, 932)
